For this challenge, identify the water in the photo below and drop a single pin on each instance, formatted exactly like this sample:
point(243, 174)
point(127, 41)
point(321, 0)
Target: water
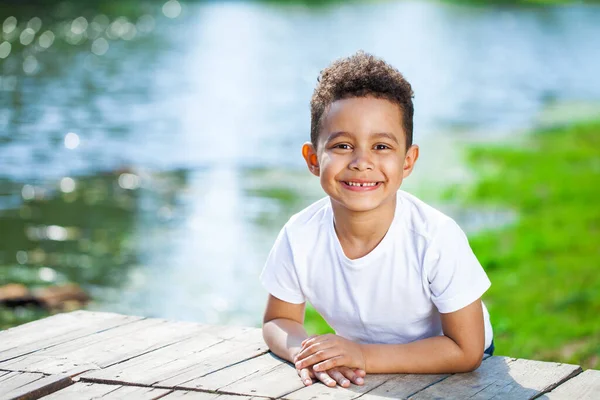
point(154, 159)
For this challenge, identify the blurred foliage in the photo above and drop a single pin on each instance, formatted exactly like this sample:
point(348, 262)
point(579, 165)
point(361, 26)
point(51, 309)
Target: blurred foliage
point(95, 219)
point(545, 296)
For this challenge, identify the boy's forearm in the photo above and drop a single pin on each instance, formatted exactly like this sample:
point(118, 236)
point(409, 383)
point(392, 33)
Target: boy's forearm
point(284, 337)
point(435, 355)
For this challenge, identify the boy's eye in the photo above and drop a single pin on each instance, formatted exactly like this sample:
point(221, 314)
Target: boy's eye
point(382, 147)
point(343, 146)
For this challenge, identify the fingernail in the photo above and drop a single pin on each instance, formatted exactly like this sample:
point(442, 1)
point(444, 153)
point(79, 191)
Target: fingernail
point(307, 381)
point(298, 364)
point(360, 380)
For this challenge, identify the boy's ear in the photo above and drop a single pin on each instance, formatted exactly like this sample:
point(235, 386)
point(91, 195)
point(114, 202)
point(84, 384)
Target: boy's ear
point(410, 159)
point(310, 156)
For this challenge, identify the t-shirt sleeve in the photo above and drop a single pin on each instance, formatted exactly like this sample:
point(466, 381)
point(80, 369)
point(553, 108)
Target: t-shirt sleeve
point(279, 275)
point(456, 278)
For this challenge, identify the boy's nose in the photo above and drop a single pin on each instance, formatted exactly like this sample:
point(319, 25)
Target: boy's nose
point(361, 161)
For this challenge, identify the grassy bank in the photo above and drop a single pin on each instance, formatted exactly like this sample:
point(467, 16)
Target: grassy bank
point(545, 297)
point(545, 294)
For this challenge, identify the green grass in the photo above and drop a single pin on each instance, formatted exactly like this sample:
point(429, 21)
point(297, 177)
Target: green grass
point(545, 268)
point(545, 294)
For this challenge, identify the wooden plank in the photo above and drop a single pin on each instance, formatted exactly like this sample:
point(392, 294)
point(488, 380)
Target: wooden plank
point(274, 382)
point(196, 379)
point(502, 377)
point(403, 386)
point(104, 348)
point(25, 385)
point(191, 395)
point(181, 362)
point(585, 386)
point(320, 391)
point(60, 328)
point(89, 391)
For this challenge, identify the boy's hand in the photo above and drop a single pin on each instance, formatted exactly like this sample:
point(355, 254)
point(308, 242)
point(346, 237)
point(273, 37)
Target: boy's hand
point(342, 376)
point(329, 351)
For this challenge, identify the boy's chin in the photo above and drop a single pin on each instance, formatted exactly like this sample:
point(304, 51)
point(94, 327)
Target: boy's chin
point(360, 205)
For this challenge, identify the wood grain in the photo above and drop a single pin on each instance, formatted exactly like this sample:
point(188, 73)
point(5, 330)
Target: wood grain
point(585, 386)
point(502, 377)
point(183, 361)
point(104, 348)
point(26, 385)
point(61, 328)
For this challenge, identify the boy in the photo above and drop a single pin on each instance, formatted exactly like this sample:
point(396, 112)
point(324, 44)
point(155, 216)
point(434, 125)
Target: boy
point(394, 277)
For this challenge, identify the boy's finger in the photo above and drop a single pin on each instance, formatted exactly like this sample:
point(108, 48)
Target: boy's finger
point(352, 376)
point(330, 362)
point(312, 349)
point(339, 377)
point(317, 357)
point(305, 376)
point(360, 372)
point(325, 378)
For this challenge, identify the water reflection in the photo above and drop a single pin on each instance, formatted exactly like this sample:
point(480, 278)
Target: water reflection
point(150, 150)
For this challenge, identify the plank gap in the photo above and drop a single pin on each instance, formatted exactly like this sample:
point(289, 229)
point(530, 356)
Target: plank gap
point(218, 370)
point(557, 384)
point(150, 351)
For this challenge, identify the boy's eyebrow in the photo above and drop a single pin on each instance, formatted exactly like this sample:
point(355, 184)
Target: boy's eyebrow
point(387, 135)
point(336, 135)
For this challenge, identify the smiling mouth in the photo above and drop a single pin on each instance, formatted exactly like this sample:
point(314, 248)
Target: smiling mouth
point(361, 184)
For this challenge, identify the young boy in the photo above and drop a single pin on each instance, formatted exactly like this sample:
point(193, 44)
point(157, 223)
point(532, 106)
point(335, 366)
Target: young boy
point(394, 277)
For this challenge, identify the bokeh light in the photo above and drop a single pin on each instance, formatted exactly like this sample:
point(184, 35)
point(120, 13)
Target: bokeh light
point(71, 140)
point(171, 9)
point(9, 24)
point(100, 46)
point(27, 36)
point(46, 39)
point(79, 25)
point(5, 48)
point(67, 184)
point(145, 24)
point(35, 24)
point(129, 181)
point(30, 65)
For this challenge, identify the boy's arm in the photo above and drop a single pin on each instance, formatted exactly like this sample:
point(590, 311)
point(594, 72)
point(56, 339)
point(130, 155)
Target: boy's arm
point(283, 331)
point(459, 350)
point(283, 327)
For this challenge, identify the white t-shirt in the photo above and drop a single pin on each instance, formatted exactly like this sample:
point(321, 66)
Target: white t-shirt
point(422, 267)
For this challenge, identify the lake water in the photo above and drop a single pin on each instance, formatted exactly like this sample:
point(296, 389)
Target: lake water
point(150, 151)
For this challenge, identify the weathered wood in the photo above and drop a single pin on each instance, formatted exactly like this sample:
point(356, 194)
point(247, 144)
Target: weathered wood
point(321, 391)
point(402, 386)
point(104, 348)
point(227, 376)
point(131, 357)
point(502, 377)
point(26, 385)
point(189, 395)
point(89, 391)
point(585, 386)
point(186, 360)
point(61, 328)
point(274, 382)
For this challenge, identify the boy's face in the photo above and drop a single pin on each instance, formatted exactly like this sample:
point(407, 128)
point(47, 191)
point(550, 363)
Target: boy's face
point(361, 156)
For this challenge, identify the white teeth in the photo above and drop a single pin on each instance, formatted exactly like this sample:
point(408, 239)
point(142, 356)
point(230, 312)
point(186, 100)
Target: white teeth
point(362, 184)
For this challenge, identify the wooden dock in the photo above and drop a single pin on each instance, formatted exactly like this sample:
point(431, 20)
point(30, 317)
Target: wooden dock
point(84, 355)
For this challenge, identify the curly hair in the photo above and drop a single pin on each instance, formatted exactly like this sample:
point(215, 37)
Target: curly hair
point(361, 75)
